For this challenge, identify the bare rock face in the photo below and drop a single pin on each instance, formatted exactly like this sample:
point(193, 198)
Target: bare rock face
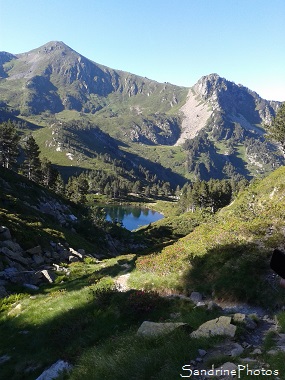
point(218, 326)
point(151, 329)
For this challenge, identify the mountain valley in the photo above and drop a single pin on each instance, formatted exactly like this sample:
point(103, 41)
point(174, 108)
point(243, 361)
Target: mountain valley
point(84, 298)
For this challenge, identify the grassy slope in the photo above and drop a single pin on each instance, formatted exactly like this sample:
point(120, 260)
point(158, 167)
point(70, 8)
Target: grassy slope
point(228, 254)
point(81, 319)
point(18, 211)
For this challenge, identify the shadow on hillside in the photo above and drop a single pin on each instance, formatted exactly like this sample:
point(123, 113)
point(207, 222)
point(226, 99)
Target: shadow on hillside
point(82, 279)
point(234, 273)
point(21, 124)
point(41, 341)
point(156, 238)
point(66, 326)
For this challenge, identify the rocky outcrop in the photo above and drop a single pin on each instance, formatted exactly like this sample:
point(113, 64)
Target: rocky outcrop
point(33, 266)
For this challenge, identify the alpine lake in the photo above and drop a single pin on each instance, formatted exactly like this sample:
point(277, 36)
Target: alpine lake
point(131, 217)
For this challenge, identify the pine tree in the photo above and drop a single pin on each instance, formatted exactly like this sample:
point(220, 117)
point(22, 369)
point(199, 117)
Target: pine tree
point(32, 163)
point(49, 174)
point(9, 144)
point(277, 128)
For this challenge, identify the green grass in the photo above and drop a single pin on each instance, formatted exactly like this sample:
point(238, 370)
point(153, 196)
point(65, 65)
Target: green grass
point(228, 253)
point(83, 315)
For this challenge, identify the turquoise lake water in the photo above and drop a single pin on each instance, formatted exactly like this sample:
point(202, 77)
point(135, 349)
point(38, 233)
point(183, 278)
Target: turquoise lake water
point(131, 217)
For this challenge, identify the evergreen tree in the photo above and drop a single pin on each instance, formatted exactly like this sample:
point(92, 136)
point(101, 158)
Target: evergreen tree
point(277, 128)
point(49, 174)
point(32, 163)
point(9, 144)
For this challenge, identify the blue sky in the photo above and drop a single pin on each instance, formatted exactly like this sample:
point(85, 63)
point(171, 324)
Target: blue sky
point(175, 41)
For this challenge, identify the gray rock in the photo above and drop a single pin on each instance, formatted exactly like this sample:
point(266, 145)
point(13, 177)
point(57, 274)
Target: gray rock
point(196, 297)
point(8, 273)
point(38, 259)
point(244, 319)
point(201, 352)
point(75, 253)
point(73, 259)
point(5, 233)
point(213, 306)
point(12, 245)
point(35, 250)
point(4, 359)
point(150, 329)
point(256, 351)
point(54, 371)
point(48, 276)
point(237, 350)
point(248, 360)
point(31, 286)
point(218, 326)
point(201, 304)
point(15, 256)
point(81, 251)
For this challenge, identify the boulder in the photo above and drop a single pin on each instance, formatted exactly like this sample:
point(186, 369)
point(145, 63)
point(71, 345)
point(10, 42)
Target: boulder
point(31, 286)
point(54, 371)
point(218, 326)
point(48, 276)
point(38, 259)
point(236, 350)
point(202, 352)
point(5, 233)
point(196, 297)
point(213, 306)
point(14, 256)
point(75, 253)
point(8, 273)
point(15, 247)
point(245, 320)
point(151, 329)
point(35, 250)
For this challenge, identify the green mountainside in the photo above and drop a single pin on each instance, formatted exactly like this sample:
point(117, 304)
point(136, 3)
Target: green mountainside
point(83, 312)
point(212, 130)
point(79, 289)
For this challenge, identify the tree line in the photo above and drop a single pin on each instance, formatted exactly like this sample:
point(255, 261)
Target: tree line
point(35, 169)
point(42, 171)
point(213, 194)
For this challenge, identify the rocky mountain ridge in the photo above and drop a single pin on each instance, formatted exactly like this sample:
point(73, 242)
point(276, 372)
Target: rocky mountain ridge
point(53, 83)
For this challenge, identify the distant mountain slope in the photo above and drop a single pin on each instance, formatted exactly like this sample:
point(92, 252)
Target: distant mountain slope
point(213, 129)
point(55, 77)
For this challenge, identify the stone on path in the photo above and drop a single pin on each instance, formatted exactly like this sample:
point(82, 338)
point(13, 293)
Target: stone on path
point(218, 326)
